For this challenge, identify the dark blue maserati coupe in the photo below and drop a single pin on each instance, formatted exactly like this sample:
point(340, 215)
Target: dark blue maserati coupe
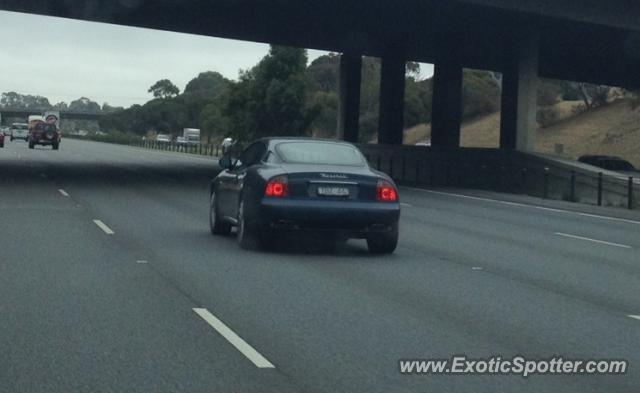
point(326, 187)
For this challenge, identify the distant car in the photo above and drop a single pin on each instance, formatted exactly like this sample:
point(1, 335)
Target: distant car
point(20, 131)
point(182, 140)
point(163, 138)
point(1, 139)
point(301, 184)
point(610, 163)
point(45, 134)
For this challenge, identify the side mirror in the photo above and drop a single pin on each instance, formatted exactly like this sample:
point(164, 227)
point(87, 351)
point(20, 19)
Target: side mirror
point(225, 163)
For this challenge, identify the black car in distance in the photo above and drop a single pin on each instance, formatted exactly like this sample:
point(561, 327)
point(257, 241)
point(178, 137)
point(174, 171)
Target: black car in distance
point(280, 185)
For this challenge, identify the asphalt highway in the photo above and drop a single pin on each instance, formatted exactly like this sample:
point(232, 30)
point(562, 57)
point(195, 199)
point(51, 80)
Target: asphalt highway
point(111, 282)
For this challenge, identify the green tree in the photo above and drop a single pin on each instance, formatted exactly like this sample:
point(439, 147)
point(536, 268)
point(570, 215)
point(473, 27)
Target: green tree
point(480, 93)
point(325, 106)
point(207, 84)
point(324, 73)
point(61, 106)
point(417, 102)
point(214, 122)
point(84, 104)
point(11, 100)
point(164, 89)
point(24, 101)
point(270, 99)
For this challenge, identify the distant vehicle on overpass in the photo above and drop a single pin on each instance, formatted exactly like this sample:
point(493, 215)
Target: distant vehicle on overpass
point(182, 140)
point(281, 185)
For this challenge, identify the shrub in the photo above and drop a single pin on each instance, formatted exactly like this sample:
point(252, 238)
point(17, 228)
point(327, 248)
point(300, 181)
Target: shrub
point(547, 116)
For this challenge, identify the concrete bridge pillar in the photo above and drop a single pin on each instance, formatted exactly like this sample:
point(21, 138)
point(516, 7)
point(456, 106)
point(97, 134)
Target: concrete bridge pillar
point(446, 112)
point(518, 122)
point(391, 122)
point(349, 91)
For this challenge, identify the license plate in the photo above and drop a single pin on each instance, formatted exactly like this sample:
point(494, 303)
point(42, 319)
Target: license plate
point(333, 191)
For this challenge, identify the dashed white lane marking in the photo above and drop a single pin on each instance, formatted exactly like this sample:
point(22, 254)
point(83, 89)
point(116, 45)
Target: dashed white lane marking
point(405, 204)
point(592, 240)
point(476, 268)
point(634, 316)
point(529, 206)
point(141, 261)
point(104, 227)
point(235, 340)
point(63, 192)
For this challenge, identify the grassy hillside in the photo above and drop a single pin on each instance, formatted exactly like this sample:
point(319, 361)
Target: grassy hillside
point(613, 129)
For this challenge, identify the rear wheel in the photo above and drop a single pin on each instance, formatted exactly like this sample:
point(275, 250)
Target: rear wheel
point(383, 242)
point(31, 145)
point(1, 144)
point(217, 226)
point(11, 139)
point(55, 146)
point(248, 236)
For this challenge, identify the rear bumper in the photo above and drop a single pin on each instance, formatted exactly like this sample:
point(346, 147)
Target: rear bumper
point(356, 218)
point(44, 140)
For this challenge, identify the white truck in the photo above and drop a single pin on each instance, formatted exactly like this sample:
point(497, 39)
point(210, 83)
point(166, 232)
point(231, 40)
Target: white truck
point(192, 135)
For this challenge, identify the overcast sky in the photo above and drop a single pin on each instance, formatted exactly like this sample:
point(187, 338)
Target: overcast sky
point(65, 59)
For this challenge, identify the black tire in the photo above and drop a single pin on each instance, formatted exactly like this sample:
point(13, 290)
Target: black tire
point(2, 145)
point(217, 226)
point(383, 242)
point(31, 145)
point(55, 146)
point(248, 238)
point(11, 139)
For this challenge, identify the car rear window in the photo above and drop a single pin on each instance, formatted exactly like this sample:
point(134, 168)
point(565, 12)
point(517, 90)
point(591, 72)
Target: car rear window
point(321, 153)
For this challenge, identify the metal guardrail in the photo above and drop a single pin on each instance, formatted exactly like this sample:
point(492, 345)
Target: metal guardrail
point(500, 170)
point(199, 149)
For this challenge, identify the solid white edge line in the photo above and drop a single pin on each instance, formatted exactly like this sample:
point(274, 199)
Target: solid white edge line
point(610, 218)
point(592, 240)
point(526, 205)
point(104, 227)
point(634, 316)
point(63, 192)
point(235, 340)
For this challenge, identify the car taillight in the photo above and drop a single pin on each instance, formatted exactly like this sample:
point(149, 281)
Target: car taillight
point(277, 187)
point(386, 191)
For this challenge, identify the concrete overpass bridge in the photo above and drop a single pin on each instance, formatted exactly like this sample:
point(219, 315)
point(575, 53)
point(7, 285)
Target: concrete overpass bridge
point(590, 41)
point(7, 113)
